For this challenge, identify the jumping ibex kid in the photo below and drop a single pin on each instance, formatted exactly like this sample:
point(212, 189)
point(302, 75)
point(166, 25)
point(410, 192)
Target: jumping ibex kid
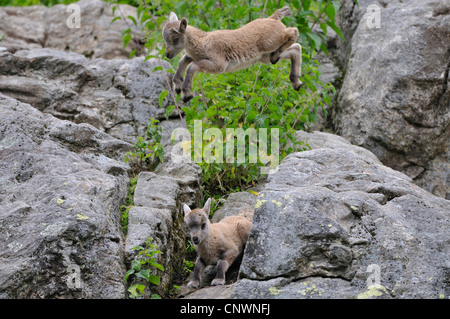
point(265, 40)
point(216, 244)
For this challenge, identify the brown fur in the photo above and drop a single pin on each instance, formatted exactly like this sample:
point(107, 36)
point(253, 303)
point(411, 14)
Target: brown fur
point(216, 244)
point(264, 40)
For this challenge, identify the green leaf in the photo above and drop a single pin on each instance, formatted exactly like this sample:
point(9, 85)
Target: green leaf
point(144, 273)
point(159, 266)
point(158, 68)
point(316, 39)
point(330, 12)
point(129, 272)
point(169, 111)
point(115, 19)
point(132, 53)
point(306, 4)
point(136, 290)
point(161, 97)
point(304, 13)
point(154, 280)
point(150, 25)
point(126, 39)
point(335, 28)
point(132, 19)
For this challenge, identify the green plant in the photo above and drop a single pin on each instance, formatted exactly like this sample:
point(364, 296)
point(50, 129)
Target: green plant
point(189, 262)
point(258, 97)
point(124, 209)
point(148, 151)
point(143, 268)
point(188, 266)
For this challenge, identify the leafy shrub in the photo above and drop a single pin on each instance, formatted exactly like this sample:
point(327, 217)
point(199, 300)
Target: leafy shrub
point(143, 268)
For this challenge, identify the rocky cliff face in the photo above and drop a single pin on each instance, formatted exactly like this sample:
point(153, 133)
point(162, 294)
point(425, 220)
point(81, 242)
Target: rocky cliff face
point(61, 185)
point(334, 222)
point(329, 219)
point(67, 121)
point(395, 97)
point(39, 27)
point(116, 96)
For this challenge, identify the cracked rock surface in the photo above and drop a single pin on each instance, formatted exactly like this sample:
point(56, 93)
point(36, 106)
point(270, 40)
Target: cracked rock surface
point(116, 96)
point(328, 214)
point(61, 185)
point(38, 27)
point(395, 97)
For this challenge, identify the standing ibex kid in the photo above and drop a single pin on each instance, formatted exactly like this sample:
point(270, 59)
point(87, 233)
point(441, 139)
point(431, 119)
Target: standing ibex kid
point(265, 40)
point(216, 244)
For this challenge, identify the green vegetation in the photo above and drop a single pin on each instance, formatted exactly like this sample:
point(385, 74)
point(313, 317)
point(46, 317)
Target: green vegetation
point(149, 150)
point(142, 268)
point(258, 97)
point(124, 209)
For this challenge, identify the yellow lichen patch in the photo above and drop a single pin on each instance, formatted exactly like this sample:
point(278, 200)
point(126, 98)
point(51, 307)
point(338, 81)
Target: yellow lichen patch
point(274, 291)
point(276, 202)
point(59, 201)
point(259, 203)
point(310, 290)
point(82, 217)
point(253, 193)
point(372, 291)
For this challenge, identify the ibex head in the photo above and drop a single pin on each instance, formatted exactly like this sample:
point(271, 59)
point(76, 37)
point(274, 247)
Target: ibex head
point(174, 35)
point(198, 222)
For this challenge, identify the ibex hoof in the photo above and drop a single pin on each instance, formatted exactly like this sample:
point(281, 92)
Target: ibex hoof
point(186, 98)
point(275, 57)
point(297, 86)
point(193, 284)
point(218, 282)
point(274, 60)
point(178, 83)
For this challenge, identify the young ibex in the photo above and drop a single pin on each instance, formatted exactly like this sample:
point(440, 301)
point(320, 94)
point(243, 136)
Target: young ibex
point(265, 40)
point(216, 244)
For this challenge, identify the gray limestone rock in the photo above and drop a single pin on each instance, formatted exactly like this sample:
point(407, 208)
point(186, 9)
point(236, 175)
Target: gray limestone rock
point(394, 99)
point(116, 96)
point(330, 218)
point(61, 185)
point(42, 27)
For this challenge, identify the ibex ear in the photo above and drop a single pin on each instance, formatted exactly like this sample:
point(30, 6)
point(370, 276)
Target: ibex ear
point(207, 207)
point(186, 209)
point(183, 25)
point(173, 17)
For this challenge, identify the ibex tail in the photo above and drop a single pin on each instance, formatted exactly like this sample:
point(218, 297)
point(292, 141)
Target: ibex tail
point(281, 13)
